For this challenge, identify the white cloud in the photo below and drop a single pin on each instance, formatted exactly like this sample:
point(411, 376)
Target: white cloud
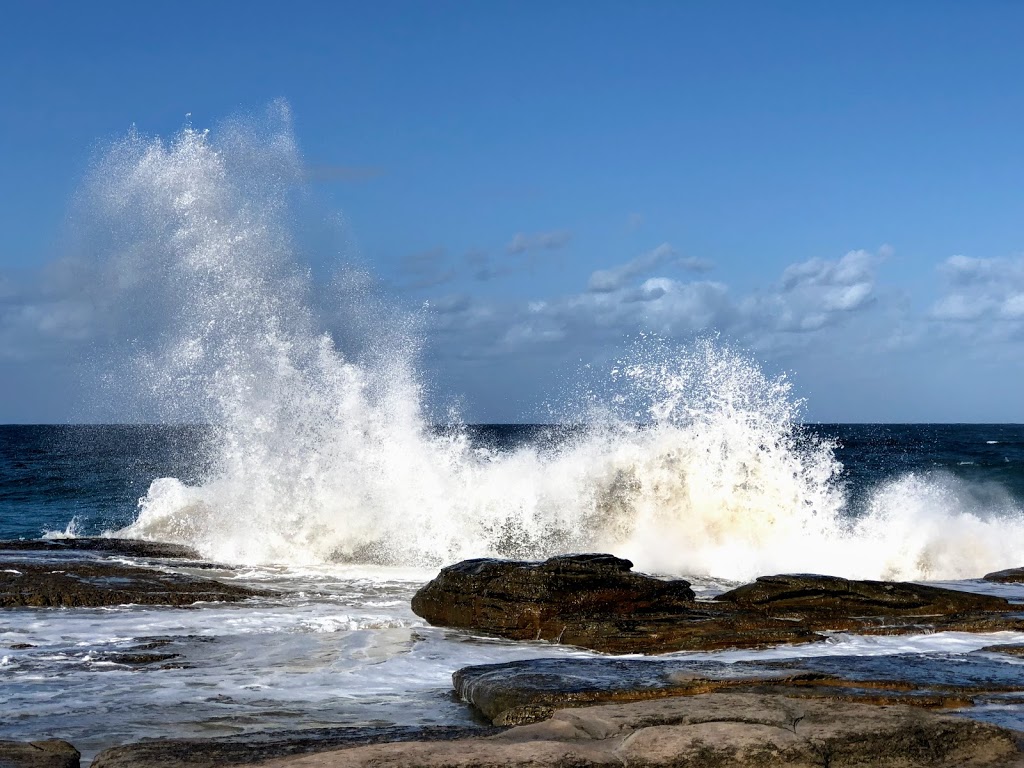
point(812, 292)
point(979, 290)
point(808, 298)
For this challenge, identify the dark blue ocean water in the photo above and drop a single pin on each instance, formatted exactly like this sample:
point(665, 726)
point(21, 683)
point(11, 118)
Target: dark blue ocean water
point(95, 474)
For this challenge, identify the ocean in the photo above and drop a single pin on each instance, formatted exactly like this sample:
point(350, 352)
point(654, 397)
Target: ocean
point(323, 477)
point(340, 646)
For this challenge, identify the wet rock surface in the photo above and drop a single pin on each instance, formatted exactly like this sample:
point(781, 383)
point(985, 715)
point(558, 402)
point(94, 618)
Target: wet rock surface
point(834, 596)
point(1009, 576)
point(712, 731)
point(526, 691)
point(527, 599)
point(111, 546)
point(1009, 650)
point(253, 748)
point(74, 583)
point(595, 602)
point(48, 753)
point(589, 600)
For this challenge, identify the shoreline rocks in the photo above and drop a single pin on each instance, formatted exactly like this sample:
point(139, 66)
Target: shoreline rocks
point(96, 583)
point(710, 731)
point(525, 691)
point(47, 753)
point(258, 747)
point(104, 545)
point(82, 573)
point(1009, 576)
point(595, 602)
point(827, 596)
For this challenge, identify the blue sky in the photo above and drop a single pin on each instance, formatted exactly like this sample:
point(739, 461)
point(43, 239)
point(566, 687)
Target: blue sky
point(836, 187)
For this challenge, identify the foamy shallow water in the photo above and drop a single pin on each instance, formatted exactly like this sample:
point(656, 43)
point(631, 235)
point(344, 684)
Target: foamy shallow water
point(340, 647)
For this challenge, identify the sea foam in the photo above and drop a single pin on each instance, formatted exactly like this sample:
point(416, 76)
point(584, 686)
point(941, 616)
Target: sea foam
point(696, 464)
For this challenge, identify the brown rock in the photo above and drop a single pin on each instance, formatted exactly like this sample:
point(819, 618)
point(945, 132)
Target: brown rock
point(257, 747)
point(823, 596)
point(1009, 650)
point(87, 583)
point(1009, 576)
point(589, 600)
point(518, 692)
point(719, 730)
point(594, 601)
point(50, 753)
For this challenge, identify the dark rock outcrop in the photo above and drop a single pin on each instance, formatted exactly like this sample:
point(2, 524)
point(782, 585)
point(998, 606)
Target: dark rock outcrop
point(595, 602)
point(717, 730)
point(49, 753)
point(89, 583)
point(588, 600)
point(829, 596)
point(1009, 576)
point(257, 747)
point(102, 544)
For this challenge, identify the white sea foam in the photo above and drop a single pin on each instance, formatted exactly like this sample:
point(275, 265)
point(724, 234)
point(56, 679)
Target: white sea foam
point(321, 458)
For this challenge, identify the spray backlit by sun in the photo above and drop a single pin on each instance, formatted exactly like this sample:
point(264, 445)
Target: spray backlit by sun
point(696, 465)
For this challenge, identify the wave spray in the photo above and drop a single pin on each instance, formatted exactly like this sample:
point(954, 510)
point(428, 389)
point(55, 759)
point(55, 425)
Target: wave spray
point(322, 458)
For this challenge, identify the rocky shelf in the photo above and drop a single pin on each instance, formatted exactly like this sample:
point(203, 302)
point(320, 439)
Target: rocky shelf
point(597, 602)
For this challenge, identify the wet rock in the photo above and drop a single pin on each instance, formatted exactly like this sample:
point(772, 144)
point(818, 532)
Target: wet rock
point(595, 602)
point(89, 583)
point(131, 659)
point(50, 753)
point(518, 692)
point(589, 600)
point(112, 546)
point(719, 730)
point(1009, 576)
point(1009, 650)
point(824, 596)
point(256, 747)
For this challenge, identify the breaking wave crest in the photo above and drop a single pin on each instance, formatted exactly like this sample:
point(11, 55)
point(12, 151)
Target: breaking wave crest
point(321, 457)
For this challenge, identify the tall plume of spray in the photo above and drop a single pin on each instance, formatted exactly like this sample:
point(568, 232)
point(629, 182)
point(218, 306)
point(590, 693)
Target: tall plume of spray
point(323, 458)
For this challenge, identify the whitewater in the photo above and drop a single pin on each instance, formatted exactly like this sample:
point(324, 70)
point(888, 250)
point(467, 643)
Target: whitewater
point(321, 476)
point(697, 464)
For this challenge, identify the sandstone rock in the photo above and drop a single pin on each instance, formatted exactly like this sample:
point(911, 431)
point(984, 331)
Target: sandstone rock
point(719, 730)
point(518, 692)
point(50, 753)
point(589, 600)
point(253, 748)
point(87, 583)
point(823, 596)
point(593, 601)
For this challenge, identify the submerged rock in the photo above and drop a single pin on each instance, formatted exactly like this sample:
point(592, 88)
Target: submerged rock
point(125, 547)
point(717, 730)
point(50, 753)
point(595, 602)
point(75, 583)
